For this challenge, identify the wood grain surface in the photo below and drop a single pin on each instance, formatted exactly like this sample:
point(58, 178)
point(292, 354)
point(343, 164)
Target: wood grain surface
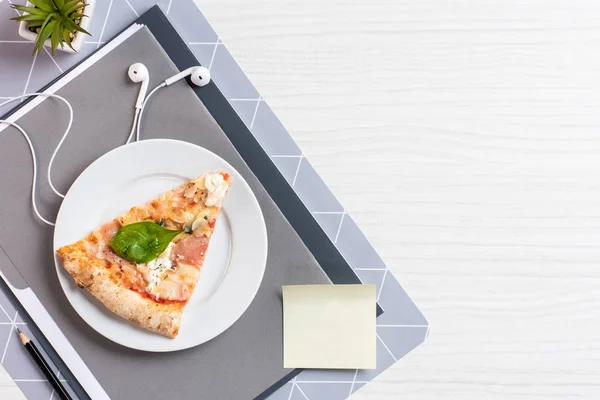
point(8, 388)
point(464, 138)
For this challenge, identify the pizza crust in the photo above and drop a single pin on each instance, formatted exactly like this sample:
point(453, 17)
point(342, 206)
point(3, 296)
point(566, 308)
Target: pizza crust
point(91, 273)
point(156, 305)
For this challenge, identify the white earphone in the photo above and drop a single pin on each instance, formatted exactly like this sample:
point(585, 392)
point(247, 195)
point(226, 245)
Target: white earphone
point(200, 76)
point(137, 72)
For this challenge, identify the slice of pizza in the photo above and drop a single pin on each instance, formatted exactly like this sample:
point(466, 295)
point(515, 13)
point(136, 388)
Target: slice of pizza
point(144, 265)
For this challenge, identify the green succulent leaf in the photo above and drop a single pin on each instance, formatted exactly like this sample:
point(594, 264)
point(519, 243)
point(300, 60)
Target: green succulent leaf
point(45, 33)
point(43, 5)
point(46, 22)
point(70, 4)
point(28, 17)
point(55, 38)
point(67, 38)
point(18, 7)
point(73, 26)
point(34, 24)
point(30, 10)
point(54, 20)
point(73, 9)
point(58, 3)
point(83, 30)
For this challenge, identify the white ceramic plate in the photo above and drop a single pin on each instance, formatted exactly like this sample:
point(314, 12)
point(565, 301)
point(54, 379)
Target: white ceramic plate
point(235, 261)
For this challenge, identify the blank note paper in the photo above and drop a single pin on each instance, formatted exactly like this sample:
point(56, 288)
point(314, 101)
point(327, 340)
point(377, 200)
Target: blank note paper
point(329, 326)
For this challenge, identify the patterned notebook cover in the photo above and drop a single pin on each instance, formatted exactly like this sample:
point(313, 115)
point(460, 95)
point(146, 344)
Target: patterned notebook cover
point(400, 329)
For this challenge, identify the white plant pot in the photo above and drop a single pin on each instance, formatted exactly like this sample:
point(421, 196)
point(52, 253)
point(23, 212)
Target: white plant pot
point(79, 36)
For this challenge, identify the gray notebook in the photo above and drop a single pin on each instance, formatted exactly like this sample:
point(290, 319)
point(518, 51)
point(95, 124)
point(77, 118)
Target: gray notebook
point(239, 364)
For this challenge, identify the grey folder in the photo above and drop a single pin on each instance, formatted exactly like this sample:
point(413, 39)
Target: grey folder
point(239, 364)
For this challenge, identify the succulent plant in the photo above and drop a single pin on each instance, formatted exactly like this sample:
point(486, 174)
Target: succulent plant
point(57, 20)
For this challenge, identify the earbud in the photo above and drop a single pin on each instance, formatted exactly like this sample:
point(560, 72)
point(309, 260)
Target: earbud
point(200, 76)
point(139, 73)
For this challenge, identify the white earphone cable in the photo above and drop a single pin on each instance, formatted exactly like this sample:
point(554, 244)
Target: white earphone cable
point(139, 120)
point(135, 119)
point(200, 76)
point(64, 136)
point(135, 127)
point(32, 150)
point(34, 180)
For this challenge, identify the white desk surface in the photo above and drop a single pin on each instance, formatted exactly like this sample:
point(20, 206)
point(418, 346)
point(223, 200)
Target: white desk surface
point(464, 137)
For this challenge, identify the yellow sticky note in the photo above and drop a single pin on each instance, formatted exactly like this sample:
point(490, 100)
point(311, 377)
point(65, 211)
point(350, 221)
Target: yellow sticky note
point(329, 326)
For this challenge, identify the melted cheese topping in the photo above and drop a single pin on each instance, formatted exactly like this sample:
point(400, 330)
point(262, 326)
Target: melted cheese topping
point(192, 206)
point(158, 266)
point(216, 187)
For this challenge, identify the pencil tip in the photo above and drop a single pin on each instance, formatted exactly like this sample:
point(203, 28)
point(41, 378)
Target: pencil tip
point(19, 330)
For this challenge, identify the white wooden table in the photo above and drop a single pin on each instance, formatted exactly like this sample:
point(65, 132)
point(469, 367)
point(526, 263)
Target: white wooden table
point(475, 127)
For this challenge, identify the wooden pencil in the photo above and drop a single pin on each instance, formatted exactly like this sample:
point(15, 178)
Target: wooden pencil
point(43, 365)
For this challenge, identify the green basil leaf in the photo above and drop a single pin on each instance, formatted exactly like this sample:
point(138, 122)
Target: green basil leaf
point(142, 242)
